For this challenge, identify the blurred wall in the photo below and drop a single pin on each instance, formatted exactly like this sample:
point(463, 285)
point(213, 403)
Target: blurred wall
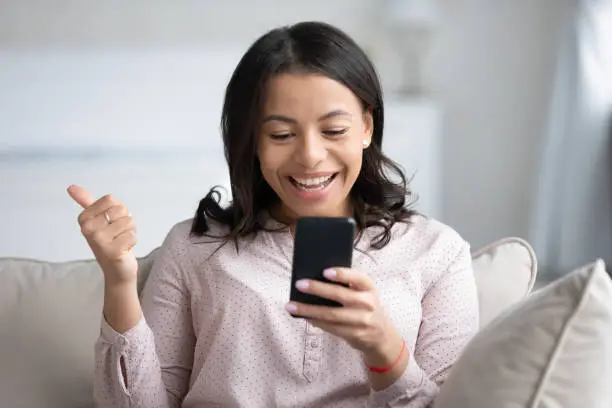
point(138, 23)
point(125, 98)
point(491, 71)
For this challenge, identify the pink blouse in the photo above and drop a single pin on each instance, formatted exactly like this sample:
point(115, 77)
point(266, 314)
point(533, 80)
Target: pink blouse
point(215, 332)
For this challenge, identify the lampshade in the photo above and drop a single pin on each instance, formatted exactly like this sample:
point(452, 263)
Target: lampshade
point(412, 12)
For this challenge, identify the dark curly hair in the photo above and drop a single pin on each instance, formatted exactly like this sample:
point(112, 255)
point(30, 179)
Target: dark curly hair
point(380, 191)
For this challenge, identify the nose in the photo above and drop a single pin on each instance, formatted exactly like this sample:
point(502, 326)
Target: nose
point(311, 150)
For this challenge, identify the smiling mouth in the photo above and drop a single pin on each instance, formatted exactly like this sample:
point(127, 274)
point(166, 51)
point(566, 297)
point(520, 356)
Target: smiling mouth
point(312, 184)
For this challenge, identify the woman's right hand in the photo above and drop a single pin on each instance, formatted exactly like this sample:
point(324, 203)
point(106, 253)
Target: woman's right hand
point(110, 232)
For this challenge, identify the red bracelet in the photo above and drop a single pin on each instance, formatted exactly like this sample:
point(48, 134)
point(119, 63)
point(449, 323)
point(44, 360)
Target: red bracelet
point(385, 369)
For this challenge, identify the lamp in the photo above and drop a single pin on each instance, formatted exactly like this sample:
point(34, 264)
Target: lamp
point(411, 25)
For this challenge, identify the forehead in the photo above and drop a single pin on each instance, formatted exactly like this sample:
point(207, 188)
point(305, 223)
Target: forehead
point(308, 93)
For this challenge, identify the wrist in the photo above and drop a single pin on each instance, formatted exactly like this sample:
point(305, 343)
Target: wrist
point(121, 306)
point(387, 361)
point(386, 351)
point(114, 284)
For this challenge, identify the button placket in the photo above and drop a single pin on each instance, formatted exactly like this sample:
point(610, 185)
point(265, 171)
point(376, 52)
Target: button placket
point(312, 352)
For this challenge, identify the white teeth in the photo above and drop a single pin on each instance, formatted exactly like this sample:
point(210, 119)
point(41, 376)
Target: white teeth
point(312, 181)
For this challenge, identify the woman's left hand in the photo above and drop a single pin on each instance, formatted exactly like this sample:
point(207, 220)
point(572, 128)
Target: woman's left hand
point(361, 322)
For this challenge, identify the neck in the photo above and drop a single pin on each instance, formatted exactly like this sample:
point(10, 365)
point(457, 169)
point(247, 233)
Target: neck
point(284, 215)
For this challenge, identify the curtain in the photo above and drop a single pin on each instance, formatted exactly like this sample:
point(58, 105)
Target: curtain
point(571, 217)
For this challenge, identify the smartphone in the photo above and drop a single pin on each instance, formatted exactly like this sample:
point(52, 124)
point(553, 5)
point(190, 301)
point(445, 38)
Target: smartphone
point(320, 243)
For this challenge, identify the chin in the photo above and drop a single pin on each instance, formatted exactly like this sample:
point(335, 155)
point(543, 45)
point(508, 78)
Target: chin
point(317, 210)
point(312, 213)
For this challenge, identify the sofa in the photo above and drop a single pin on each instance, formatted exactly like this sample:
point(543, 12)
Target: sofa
point(50, 318)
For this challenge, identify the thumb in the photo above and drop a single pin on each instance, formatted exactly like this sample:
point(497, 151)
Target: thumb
point(80, 195)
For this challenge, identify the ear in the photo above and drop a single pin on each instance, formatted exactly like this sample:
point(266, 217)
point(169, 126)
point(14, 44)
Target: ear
point(368, 129)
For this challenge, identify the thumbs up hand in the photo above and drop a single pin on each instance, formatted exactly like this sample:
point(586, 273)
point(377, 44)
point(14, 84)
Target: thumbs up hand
point(110, 232)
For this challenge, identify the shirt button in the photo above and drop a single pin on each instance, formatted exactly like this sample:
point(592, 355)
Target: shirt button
point(123, 341)
point(315, 343)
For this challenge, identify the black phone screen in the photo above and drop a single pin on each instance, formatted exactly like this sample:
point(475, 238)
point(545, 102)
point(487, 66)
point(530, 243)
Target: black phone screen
point(320, 243)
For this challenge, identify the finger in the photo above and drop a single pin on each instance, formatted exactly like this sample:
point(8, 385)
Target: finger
point(125, 241)
point(339, 330)
point(338, 293)
point(335, 315)
point(115, 212)
point(103, 204)
point(100, 221)
point(355, 280)
point(120, 226)
point(100, 206)
point(80, 195)
point(107, 232)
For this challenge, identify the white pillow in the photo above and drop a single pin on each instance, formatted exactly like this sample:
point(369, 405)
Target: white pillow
point(552, 350)
point(505, 273)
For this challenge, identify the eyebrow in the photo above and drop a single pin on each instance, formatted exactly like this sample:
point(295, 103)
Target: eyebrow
point(287, 119)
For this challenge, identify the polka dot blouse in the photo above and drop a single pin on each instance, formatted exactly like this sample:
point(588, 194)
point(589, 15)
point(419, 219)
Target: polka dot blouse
point(215, 333)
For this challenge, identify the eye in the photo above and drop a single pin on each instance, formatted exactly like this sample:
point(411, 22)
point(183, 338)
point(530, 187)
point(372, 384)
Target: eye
point(335, 132)
point(280, 136)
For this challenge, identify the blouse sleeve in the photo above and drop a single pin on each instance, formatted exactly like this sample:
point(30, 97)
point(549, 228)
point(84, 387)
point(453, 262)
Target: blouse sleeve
point(157, 353)
point(449, 321)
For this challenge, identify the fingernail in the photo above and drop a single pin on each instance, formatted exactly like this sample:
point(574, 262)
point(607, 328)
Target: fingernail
point(302, 284)
point(330, 273)
point(290, 307)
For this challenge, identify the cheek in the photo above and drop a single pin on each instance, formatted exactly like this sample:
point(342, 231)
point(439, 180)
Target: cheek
point(353, 156)
point(270, 161)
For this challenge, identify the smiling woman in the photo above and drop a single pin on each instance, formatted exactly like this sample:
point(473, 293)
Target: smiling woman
point(302, 127)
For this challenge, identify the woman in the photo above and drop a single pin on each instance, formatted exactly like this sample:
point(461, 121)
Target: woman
point(302, 126)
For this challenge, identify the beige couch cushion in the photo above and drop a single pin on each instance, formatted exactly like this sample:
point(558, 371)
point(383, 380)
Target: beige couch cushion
point(50, 318)
point(552, 350)
point(505, 272)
